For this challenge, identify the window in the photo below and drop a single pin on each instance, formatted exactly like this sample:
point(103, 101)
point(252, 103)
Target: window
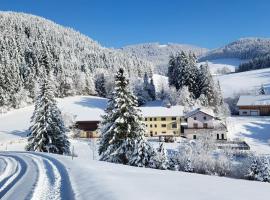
point(155, 126)
point(217, 136)
point(151, 126)
point(163, 132)
point(194, 137)
point(204, 118)
point(195, 125)
point(174, 125)
point(245, 113)
point(222, 136)
point(150, 119)
point(195, 118)
point(163, 125)
point(155, 133)
point(205, 125)
point(155, 119)
point(173, 118)
point(163, 118)
point(145, 119)
point(146, 125)
point(151, 133)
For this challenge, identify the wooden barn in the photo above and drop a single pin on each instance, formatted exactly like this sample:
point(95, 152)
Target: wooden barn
point(254, 105)
point(88, 129)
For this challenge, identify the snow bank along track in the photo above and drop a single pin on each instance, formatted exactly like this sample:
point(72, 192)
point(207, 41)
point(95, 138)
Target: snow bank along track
point(26, 175)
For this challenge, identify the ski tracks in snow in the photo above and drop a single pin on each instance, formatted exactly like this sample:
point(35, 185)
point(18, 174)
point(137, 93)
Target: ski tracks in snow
point(35, 176)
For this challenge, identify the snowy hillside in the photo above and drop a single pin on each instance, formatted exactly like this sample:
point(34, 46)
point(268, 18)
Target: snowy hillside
point(28, 41)
point(46, 176)
point(158, 54)
point(225, 65)
point(14, 124)
point(244, 82)
point(245, 48)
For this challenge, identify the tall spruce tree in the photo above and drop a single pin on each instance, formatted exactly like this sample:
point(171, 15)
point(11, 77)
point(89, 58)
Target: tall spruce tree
point(47, 132)
point(206, 84)
point(183, 71)
point(122, 129)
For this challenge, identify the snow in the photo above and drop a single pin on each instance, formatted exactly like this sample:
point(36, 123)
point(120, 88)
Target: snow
point(247, 100)
point(218, 64)
point(162, 111)
point(160, 81)
point(85, 178)
point(86, 108)
point(204, 110)
point(244, 81)
point(254, 130)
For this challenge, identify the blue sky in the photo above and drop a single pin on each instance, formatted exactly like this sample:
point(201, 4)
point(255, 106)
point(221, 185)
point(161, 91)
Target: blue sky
point(116, 23)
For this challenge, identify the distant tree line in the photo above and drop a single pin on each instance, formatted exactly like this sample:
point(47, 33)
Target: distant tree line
point(256, 63)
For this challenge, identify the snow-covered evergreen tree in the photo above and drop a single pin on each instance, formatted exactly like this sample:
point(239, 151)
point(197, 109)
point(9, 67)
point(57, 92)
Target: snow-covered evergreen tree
point(207, 84)
point(185, 98)
point(122, 129)
point(262, 90)
point(152, 90)
point(47, 132)
point(259, 169)
point(100, 85)
point(183, 71)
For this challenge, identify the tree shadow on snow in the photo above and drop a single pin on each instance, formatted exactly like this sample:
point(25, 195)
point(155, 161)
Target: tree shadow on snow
point(19, 133)
point(258, 131)
point(93, 102)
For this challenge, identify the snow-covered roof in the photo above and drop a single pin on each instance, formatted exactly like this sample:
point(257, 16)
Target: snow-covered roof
point(253, 100)
point(203, 110)
point(155, 110)
point(84, 108)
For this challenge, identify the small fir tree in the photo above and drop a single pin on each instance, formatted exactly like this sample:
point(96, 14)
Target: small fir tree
point(47, 132)
point(262, 90)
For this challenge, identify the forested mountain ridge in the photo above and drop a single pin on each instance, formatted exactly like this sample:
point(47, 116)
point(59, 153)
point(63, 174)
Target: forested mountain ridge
point(245, 48)
point(74, 59)
point(159, 54)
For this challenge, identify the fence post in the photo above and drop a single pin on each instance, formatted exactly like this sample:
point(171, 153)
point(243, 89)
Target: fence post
point(72, 152)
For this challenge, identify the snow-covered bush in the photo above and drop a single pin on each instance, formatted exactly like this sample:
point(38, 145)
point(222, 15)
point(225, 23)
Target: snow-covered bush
point(259, 169)
point(160, 160)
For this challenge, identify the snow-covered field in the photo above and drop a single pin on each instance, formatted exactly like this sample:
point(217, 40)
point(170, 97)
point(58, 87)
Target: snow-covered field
point(25, 175)
point(254, 130)
point(244, 81)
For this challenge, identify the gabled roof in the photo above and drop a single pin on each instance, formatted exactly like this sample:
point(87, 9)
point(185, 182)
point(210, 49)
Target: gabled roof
point(203, 110)
point(253, 100)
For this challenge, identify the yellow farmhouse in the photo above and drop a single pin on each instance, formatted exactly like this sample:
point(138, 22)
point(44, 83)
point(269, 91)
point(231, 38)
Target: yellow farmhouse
point(162, 120)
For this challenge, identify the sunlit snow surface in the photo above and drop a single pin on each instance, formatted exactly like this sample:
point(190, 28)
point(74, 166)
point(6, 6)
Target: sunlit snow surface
point(84, 178)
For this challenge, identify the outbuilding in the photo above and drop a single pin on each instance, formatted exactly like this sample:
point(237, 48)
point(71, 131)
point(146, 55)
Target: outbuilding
point(254, 105)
